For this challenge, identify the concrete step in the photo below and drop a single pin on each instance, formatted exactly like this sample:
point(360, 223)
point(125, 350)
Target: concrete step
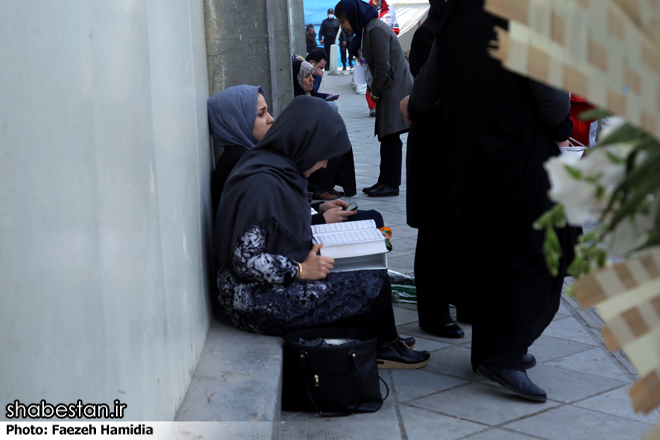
point(237, 382)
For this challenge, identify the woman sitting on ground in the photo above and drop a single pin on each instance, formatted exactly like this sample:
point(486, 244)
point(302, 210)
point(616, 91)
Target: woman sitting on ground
point(238, 120)
point(340, 170)
point(271, 279)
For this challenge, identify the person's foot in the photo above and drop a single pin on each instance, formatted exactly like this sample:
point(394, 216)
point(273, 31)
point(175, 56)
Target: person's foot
point(368, 189)
point(326, 196)
point(344, 68)
point(383, 191)
point(397, 355)
point(514, 380)
point(409, 342)
point(449, 330)
point(372, 112)
point(337, 193)
point(529, 361)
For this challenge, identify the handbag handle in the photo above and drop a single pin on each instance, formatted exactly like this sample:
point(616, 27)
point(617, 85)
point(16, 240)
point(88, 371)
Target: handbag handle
point(310, 397)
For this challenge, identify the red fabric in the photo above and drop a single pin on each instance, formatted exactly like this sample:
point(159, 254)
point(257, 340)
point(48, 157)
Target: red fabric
point(580, 128)
point(372, 104)
point(383, 7)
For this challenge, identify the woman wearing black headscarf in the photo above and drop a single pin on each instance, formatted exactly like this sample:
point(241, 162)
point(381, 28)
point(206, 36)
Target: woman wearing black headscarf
point(340, 170)
point(498, 129)
point(376, 44)
point(428, 169)
point(270, 278)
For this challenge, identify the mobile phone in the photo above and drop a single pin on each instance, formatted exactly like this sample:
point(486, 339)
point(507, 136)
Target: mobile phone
point(330, 97)
point(351, 207)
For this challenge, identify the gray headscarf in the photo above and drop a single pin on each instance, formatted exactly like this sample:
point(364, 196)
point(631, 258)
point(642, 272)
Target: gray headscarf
point(232, 113)
point(305, 69)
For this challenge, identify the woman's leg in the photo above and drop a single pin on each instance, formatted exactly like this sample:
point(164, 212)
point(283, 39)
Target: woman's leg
point(433, 290)
point(379, 319)
point(390, 160)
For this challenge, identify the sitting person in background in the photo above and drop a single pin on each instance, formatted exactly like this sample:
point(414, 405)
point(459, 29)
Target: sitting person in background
point(271, 279)
point(341, 170)
point(238, 120)
point(318, 58)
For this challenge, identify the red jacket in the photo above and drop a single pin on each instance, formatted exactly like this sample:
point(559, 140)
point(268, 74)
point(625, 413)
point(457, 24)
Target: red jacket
point(387, 14)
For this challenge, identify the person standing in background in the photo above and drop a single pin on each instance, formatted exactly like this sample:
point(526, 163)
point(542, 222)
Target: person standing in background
point(497, 129)
point(345, 41)
point(310, 35)
point(328, 33)
point(376, 44)
point(387, 14)
point(428, 167)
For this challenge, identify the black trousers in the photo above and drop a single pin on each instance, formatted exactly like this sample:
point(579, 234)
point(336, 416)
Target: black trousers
point(343, 50)
point(435, 275)
point(390, 160)
point(379, 320)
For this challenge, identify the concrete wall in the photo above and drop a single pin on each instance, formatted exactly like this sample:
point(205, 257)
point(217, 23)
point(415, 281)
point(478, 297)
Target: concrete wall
point(104, 201)
point(248, 42)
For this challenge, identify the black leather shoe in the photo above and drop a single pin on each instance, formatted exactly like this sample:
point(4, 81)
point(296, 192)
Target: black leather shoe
point(450, 330)
point(514, 380)
point(368, 189)
point(529, 361)
point(397, 355)
point(410, 342)
point(383, 191)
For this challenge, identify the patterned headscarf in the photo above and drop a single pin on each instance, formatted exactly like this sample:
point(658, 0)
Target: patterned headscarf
point(300, 71)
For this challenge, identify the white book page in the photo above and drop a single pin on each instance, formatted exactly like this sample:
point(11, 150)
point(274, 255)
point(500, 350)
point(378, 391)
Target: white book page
point(343, 226)
point(358, 236)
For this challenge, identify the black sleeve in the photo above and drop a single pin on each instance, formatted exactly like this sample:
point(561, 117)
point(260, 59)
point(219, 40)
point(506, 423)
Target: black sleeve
point(554, 105)
point(426, 89)
point(555, 109)
point(318, 219)
point(322, 32)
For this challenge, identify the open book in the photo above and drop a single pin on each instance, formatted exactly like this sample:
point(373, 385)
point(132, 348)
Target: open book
point(355, 245)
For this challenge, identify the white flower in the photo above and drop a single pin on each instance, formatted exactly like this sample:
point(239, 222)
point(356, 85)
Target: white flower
point(586, 197)
point(577, 196)
point(597, 163)
point(610, 125)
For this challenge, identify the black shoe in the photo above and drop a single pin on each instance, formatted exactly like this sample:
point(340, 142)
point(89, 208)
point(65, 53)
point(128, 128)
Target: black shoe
point(368, 189)
point(514, 380)
point(344, 68)
point(383, 191)
point(450, 330)
point(409, 342)
point(529, 361)
point(397, 355)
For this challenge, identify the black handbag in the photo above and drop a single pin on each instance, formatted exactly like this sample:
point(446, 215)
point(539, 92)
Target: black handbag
point(331, 380)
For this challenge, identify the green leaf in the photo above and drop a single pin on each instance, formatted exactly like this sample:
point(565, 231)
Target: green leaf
point(595, 113)
point(575, 172)
point(631, 205)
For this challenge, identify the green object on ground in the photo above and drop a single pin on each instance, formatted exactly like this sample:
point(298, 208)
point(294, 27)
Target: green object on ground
point(403, 288)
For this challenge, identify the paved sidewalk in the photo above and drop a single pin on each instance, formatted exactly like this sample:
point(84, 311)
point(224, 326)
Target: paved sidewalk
point(586, 385)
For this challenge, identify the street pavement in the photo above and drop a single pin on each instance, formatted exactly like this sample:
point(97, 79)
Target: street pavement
point(586, 385)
